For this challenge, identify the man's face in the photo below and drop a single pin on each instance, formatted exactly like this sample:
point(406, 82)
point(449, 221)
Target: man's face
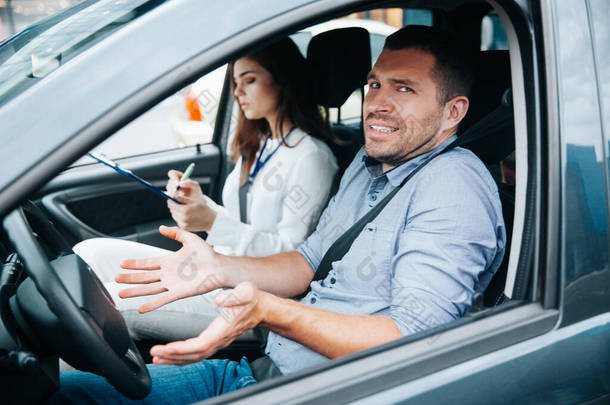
point(402, 114)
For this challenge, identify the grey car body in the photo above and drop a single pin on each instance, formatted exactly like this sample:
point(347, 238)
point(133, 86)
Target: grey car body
point(550, 345)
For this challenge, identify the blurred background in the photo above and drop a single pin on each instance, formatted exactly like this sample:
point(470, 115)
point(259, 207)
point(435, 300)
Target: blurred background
point(16, 15)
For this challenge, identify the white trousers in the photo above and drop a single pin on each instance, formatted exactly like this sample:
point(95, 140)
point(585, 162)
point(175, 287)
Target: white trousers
point(178, 320)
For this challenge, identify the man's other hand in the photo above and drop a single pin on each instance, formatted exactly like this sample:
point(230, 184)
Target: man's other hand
point(241, 308)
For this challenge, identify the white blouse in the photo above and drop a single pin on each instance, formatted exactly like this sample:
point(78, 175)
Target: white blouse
point(283, 203)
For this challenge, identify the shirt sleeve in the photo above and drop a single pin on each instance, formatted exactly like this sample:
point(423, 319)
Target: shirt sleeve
point(313, 248)
point(219, 209)
point(453, 232)
point(304, 195)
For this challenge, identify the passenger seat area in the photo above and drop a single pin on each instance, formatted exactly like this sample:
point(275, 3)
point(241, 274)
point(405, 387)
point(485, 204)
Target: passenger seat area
point(488, 131)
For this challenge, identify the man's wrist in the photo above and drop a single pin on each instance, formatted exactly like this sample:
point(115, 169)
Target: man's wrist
point(226, 270)
point(264, 305)
point(279, 314)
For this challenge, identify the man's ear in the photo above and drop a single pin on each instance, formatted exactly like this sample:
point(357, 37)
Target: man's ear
point(455, 110)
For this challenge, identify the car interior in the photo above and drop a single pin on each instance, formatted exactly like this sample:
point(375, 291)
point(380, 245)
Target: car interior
point(88, 200)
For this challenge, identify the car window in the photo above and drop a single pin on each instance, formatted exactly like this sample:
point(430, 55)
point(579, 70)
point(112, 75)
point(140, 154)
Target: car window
point(302, 39)
point(185, 118)
point(599, 11)
point(585, 209)
point(493, 36)
point(15, 16)
point(40, 49)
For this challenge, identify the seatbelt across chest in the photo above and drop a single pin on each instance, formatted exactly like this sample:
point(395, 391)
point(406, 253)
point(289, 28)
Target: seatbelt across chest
point(342, 245)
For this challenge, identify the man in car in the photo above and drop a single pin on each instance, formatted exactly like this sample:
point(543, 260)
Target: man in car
point(415, 266)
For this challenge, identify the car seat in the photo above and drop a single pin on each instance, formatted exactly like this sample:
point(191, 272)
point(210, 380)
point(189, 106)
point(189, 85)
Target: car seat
point(489, 132)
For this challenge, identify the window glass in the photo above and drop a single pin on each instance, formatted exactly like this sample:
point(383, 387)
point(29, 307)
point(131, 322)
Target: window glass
point(600, 32)
point(417, 17)
point(40, 49)
point(302, 39)
point(184, 119)
point(188, 117)
point(17, 15)
point(585, 210)
point(493, 36)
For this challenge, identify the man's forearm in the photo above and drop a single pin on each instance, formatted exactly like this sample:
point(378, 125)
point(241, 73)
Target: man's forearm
point(328, 333)
point(283, 274)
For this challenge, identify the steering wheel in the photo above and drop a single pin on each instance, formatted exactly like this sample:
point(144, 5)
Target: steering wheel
point(64, 309)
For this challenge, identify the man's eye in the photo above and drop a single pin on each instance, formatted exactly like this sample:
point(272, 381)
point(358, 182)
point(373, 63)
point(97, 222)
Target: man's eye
point(405, 89)
point(374, 85)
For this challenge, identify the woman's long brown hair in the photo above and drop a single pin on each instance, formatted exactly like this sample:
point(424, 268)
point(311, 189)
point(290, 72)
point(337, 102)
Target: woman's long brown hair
point(296, 101)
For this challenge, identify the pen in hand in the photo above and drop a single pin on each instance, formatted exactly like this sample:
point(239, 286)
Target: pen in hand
point(186, 175)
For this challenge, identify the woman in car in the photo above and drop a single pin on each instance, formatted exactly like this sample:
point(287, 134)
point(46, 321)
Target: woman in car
point(283, 169)
point(271, 200)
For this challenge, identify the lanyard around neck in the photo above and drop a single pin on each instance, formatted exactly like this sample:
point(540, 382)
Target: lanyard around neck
point(258, 165)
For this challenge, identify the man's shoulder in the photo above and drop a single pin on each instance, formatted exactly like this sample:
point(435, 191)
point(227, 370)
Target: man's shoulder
point(455, 180)
point(460, 164)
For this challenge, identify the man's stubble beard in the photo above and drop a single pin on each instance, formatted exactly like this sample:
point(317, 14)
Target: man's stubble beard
point(411, 139)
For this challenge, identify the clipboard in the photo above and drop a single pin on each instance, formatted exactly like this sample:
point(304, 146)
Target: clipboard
point(127, 173)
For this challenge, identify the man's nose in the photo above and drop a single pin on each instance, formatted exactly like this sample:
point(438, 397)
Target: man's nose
point(378, 101)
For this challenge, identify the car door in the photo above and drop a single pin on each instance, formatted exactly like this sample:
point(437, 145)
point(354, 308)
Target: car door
point(90, 200)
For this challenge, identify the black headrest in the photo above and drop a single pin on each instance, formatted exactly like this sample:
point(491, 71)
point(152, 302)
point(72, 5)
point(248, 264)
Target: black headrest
point(340, 60)
point(488, 128)
point(492, 138)
point(491, 79)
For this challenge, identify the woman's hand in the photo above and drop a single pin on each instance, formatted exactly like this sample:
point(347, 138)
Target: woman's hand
point(193, 214)
point(192, 270)
point(241, 308)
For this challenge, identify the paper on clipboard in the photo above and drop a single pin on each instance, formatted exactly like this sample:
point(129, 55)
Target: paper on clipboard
point(127, 173)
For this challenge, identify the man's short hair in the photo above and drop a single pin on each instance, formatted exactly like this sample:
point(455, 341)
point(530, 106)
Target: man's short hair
point(452, 72)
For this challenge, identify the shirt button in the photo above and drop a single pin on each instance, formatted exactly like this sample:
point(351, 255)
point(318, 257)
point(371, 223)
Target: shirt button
point(313, 300)
point(333, 281)
point(373, 197)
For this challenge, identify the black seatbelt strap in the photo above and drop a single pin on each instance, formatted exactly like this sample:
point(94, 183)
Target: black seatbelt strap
point(341, 246)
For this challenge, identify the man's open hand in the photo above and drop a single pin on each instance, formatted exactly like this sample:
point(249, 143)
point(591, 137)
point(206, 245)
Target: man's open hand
point(192, 270)
point(241, 308)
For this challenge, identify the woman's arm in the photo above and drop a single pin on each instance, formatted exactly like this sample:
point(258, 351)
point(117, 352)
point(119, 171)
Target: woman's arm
point(305, 191)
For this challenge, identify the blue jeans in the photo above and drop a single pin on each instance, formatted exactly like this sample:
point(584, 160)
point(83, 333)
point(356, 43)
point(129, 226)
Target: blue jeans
point(170, 384)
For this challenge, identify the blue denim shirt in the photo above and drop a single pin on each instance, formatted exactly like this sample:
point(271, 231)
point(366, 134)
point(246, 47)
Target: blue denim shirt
point(419, 262)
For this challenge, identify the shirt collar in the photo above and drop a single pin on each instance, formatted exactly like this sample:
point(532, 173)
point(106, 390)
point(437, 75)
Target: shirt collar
point(397, 174)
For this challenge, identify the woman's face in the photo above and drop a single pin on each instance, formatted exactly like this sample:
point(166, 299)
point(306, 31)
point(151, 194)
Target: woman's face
point(255, 90)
